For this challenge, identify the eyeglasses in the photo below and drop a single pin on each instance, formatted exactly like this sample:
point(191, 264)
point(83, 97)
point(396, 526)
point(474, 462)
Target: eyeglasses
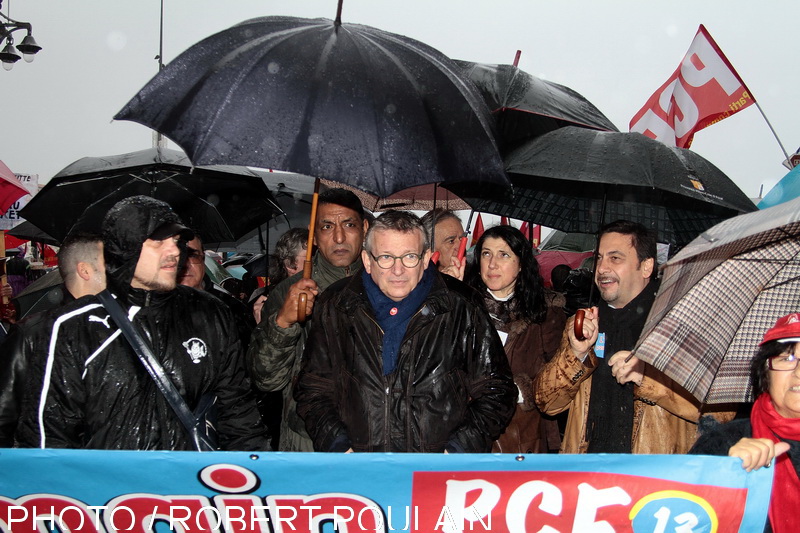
point(193, 255)
point(387, 261)
point(787, 361)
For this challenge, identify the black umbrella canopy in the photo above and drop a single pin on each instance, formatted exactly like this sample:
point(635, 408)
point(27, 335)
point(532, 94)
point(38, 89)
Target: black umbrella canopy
point(27, 231)
point(221, 202)
point(526, 106)
point(45, 293)
point(350, 103)
point(575, 179)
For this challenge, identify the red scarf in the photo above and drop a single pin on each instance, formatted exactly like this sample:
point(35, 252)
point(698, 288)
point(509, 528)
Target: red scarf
point(785, 501)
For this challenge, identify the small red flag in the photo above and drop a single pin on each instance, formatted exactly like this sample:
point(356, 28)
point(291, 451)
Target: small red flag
point(702, 91)
point(477, 230)
point(11, 189)
point(525, 229)
point(532, 233)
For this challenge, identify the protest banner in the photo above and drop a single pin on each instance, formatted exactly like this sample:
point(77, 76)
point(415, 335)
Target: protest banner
point(84, 491)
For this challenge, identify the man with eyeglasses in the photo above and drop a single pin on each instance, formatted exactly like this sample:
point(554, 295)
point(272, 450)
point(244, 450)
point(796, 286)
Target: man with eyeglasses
point(192, 273)
point(402, 359)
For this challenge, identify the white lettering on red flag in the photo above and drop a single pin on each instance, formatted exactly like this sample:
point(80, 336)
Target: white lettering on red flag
point(702, 91)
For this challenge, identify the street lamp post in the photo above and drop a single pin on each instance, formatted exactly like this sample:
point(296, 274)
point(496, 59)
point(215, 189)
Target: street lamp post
point(28, 47)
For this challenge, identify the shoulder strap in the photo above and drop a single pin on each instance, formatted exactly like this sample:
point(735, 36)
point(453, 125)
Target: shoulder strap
point(149, 361)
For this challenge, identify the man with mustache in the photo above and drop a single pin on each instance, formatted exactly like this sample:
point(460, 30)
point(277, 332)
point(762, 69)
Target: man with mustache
point(617, 404)
point(276, 345)
point(97, 394)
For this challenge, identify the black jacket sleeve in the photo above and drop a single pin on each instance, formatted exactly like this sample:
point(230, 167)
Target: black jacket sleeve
point(12, 384)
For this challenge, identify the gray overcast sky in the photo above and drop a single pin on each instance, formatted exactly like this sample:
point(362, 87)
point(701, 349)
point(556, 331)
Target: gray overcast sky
point(98, 53)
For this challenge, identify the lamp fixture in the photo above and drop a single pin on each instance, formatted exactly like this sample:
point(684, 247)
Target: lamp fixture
point(28, 47)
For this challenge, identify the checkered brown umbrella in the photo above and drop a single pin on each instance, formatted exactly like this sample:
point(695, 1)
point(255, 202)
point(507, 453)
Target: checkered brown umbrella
point(718, 297)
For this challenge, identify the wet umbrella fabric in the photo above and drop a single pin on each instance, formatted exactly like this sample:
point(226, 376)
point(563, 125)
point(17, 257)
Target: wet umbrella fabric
point(788, 188)
point(350, 103)
point(717, 298)
point(45, 293)
point(221, 202)
point(575, 179)
point(526, 106)
point(28, 232)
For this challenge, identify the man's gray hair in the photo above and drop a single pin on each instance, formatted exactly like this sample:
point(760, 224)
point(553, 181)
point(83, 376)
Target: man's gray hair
point(401, 221)
point(439, 214)
point(291, 243)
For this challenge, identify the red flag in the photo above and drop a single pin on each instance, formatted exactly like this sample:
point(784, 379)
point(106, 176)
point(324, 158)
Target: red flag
point(532, 232)
point(14, 242)
point(477, 230)
point(11, 189)
point(702, 91)
point(525, 229)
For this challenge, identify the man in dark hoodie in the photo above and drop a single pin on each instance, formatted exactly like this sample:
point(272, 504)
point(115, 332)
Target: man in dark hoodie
point(97, 394)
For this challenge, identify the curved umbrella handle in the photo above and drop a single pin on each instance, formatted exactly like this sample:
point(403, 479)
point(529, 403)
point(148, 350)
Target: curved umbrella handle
point(578, 326)
point(302, 298)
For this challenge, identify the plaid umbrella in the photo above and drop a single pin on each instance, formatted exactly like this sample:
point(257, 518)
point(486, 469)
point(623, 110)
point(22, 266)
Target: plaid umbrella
point(718, 297)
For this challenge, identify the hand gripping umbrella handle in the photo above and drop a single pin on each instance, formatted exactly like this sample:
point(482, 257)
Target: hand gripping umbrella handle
point(580, 314)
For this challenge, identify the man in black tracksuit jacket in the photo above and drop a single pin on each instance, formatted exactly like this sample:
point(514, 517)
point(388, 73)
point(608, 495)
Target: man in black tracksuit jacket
point(97, 394)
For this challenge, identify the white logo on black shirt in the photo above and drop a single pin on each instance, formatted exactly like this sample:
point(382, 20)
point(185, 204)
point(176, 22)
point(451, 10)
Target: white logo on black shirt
point(196, 349)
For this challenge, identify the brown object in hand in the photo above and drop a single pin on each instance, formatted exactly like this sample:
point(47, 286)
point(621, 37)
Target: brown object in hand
point(302, 298)
point(578, 327)
point(308, 266)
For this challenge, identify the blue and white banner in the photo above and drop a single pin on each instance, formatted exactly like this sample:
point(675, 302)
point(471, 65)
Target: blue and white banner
point(80, 491)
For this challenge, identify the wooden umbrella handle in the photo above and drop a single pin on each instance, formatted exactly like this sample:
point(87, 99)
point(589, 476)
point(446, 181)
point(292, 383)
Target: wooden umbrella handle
point(302, 298)
point(580, 314)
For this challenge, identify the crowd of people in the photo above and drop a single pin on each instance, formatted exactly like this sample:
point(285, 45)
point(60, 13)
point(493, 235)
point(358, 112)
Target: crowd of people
point(398, 342)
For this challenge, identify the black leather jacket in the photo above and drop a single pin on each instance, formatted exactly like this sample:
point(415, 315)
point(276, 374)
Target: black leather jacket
point(20, 361)
point(452, 388)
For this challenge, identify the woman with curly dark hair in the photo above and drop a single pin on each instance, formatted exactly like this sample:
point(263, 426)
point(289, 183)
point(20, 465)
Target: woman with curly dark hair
point(506, 274)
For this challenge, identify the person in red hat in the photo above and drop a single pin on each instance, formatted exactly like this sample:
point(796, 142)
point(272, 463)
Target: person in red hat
point(773, 428)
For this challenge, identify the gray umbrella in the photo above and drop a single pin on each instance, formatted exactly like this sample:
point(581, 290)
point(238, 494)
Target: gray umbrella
point(718, 297)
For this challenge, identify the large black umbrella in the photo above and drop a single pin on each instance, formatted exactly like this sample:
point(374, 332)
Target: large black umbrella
point(525, 106)
point(47, 292)
point(350, 103)
point(27, 231)
point(575, 179)
point(223, 203)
